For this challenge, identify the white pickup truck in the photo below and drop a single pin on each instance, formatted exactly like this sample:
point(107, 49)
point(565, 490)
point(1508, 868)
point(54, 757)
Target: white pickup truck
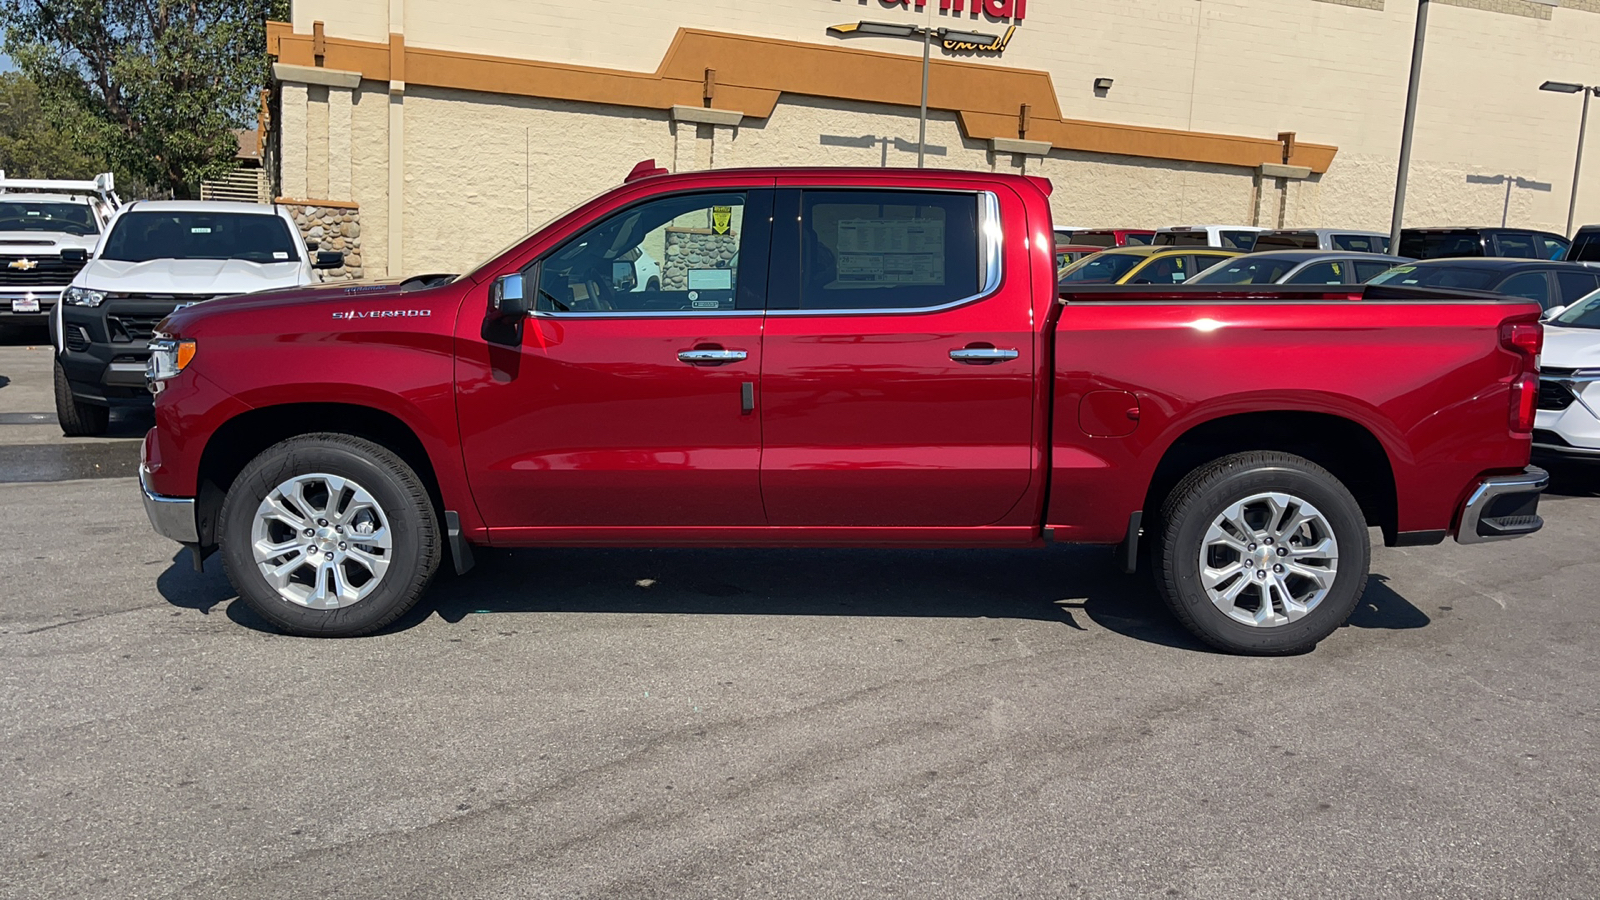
point(157, 256)
point(47, 230)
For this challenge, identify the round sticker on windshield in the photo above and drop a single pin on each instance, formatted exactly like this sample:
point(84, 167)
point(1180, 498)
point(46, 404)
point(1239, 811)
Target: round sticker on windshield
point(694, 295)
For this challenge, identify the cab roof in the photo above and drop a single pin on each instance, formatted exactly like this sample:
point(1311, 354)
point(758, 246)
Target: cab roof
point(201, 206)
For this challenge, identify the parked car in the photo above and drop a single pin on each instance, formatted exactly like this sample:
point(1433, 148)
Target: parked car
point(1113, 237)
point(1231, 237)
point(1323, 239)
point(1550, 284)
point(47, 230)
point(1567, 425)
point(1143, 265)
point(155, 257)
point(1520, 243)
point(1299, 267)
point(877, 380)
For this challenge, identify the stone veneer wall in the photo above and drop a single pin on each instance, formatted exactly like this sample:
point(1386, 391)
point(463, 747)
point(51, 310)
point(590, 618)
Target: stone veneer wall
point(331, 228)
point(695, 249)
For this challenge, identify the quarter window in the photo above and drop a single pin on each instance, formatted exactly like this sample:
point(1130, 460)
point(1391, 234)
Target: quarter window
point(1532, 285)
point(1320, 273)
point(888, 249)
point(1574, 285)
point(673, 254)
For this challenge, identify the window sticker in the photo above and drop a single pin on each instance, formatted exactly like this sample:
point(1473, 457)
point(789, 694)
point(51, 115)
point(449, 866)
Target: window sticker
point(721, 218)
point(200, 229)
point(280, 254)
point(891, 251)
point(711, 279)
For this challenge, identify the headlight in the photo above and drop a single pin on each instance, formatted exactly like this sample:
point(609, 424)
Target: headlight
point(168, 357)
point(78, 296)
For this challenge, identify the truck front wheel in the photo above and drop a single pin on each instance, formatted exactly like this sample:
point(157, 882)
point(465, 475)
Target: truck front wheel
point(1261, 553)
point(328, 535)
point(77, 419)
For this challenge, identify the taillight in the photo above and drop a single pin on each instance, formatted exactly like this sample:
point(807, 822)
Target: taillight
point(1524, 402)
point(1526, 337)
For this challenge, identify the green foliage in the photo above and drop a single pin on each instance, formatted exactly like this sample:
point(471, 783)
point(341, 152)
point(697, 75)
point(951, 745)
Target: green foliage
point(153, 87)
point(32, 147)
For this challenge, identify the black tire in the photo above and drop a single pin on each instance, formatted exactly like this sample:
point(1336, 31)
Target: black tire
point(1206, 494)
point(416, 542)
point(78, 419)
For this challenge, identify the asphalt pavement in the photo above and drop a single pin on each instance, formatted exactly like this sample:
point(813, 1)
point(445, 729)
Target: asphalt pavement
point(817, 723)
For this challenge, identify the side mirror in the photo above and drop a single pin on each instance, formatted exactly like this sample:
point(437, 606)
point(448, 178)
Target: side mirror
point(624, 277)
point(328, 259)
point(1552, 312)
point(505, 295)
point(74, 255)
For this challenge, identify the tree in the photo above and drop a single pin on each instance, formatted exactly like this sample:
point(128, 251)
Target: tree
point(154, 87)
point(32, 147)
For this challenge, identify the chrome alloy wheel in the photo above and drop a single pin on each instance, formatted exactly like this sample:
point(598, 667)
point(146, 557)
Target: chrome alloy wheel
point(321, 541)
point(1269, 559)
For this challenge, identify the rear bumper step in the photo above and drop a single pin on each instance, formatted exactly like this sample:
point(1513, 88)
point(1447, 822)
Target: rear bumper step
point(1503, 507)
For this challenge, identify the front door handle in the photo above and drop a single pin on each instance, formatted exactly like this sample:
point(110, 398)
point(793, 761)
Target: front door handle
point(711, 357)
point(979, 356)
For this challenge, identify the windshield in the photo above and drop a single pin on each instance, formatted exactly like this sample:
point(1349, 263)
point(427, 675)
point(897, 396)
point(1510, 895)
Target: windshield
point(252, 237)
point(1182, 239)
point(1287, 240)
point(38, 215)
point(1464, 277)
point(1437, 244)
point(1244, 270)
point(1583, 314)
point(1101, 268)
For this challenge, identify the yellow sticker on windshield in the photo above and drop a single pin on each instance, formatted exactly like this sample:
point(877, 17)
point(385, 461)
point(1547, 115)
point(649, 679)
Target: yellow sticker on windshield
point(721, 218)
point(1337, 270)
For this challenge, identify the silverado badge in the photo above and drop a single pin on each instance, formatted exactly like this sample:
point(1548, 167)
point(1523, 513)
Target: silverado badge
point(24, 264)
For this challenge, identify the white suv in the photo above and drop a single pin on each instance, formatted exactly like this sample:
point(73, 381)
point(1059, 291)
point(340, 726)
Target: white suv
point(1568, 421)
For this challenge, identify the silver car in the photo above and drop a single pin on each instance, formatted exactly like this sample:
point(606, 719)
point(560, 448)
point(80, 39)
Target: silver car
point(1309, 267)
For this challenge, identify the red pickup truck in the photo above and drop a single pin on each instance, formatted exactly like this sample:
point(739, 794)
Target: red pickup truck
point(832, 357)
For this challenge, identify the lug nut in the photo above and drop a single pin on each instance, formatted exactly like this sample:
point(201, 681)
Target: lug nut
point(1261, 573)
point(343, 547)
point(1278, 569)
point(1252, 547)
point(323, 522)
point(1283, 551)
point(310, 532)
point(338, 529)
point(329, 555)
point(1269, 542)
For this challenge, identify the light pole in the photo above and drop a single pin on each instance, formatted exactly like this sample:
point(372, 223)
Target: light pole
point(1564, 87)
point(890, 29)
point(1405, 129)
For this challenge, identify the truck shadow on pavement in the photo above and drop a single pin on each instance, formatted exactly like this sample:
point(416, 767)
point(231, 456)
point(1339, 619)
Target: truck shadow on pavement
point(1067, 585)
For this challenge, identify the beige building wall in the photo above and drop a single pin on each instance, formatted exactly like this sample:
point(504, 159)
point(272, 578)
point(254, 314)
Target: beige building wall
point(478, 169)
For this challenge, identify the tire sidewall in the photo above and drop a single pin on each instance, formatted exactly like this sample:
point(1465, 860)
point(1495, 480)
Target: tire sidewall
point(1349, 528)
point(410, 553)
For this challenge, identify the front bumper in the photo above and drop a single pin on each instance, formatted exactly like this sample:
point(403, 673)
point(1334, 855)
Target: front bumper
point(1502, 507)
point(31, 305)
point(171, 517)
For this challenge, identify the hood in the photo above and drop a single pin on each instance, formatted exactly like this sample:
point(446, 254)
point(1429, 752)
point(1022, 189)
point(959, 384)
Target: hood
point(188, 276)
point(1571, 348)
point(334, 305)
point(43, 243)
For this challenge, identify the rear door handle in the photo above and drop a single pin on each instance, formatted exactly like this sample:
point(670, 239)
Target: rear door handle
point(975, 356)
point(711, 357)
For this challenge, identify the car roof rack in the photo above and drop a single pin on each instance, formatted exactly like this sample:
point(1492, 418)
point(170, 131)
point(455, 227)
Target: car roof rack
point(103, 186)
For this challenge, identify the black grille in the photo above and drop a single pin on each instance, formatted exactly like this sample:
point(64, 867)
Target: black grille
point(77, 338)
point(1552, 394)
point(1550, 438)
point(127, 329)
point(47, 271)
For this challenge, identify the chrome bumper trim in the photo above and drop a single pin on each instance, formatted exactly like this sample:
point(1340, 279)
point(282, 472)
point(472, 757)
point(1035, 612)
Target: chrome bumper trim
point(171, 517)
point(1532, 481)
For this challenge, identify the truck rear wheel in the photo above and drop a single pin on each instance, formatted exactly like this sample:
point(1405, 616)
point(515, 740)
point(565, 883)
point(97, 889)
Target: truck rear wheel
point(1261, 553)
point(78, 419)
point(328, 535)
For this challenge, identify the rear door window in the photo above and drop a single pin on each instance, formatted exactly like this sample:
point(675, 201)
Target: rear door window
point(1166, 270)
point(887, 249)
point(1574, 285)
point(1360, 243)
point(1553, 247)
point(1366, 271)
point(1517, 245)
point(1332, 272)
point(1532, 285)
